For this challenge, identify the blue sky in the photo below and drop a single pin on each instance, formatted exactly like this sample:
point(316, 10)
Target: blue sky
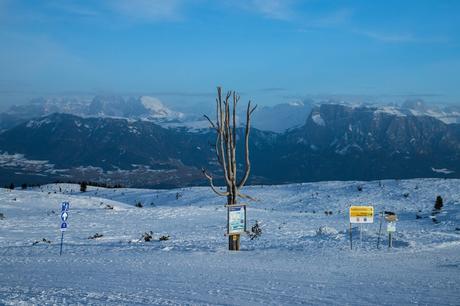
point(270, 50)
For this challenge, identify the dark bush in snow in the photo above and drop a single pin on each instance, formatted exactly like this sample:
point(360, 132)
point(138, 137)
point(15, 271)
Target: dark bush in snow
point(95, 236)
point(2, 216)
point(256, 231)
point(83, 186)
point(147, 236)
point(164, 238)
point(44, 240)
point(360, 188)
point(108, 206)
point(139, 204)
point(439, 203)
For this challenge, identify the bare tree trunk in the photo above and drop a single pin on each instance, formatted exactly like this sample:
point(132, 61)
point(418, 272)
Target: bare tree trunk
point(226, 128)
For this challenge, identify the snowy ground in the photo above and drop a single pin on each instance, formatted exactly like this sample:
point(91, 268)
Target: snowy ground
point(291, 263)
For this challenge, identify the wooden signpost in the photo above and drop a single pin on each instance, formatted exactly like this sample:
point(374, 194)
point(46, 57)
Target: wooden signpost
point(391, 218)
point(236, 224)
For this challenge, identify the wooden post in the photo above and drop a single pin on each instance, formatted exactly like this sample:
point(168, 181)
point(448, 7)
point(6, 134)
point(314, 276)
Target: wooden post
point(380, 230)
point(390, 242)
point(234, 242)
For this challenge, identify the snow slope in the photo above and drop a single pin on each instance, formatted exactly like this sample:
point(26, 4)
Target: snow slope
point(293, 262)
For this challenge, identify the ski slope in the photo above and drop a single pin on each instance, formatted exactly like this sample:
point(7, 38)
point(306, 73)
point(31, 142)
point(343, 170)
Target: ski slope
point(302, 257)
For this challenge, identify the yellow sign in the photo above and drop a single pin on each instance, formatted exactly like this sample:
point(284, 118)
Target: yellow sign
point(361, 214)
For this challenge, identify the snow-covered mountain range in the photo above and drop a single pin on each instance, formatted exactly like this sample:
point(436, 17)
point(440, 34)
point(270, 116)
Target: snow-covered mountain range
point(278, 118)
point(335, 142)
point(142, 107)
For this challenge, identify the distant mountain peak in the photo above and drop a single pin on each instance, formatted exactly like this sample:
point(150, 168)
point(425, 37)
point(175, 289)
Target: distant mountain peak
point(158, 110)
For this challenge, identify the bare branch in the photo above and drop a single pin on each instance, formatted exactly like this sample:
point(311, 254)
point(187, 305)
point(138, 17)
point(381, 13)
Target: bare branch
point(249, 111)
point(228, 136)
point(222, 136)
point(226, 142)
point(209, 177)
point(212, 123)
point(219, 157)
point(245, 196)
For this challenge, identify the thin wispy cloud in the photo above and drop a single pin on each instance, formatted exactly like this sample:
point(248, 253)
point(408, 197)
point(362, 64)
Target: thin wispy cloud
point(73, 8)
point(275, 9)
point(270, 9)
point(148, 10)
point(400, 37)
point(330, 19)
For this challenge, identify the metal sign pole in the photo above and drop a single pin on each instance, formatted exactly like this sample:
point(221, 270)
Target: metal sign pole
point(62, 238)
point(64, 216)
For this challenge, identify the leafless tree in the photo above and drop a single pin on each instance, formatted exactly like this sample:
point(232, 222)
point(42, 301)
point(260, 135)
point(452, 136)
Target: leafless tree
point(225, 146)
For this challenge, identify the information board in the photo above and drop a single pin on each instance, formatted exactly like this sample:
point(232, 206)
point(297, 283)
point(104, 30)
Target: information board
point(361, 214)
point(236, 219)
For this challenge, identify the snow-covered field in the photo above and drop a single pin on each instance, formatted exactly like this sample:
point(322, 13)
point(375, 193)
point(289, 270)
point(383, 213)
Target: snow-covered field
point(293, 262)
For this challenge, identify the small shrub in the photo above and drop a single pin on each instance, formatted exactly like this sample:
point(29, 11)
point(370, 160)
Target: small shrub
point(95, 236)
point(108, 206)
point(44, 240)
point(139, 204)
point(164, 238)
point(2, 216)
point(83, 186)
point(256, 231)
point(438, 204)
point(147, 236)
point(406, 195)
point(360, 188)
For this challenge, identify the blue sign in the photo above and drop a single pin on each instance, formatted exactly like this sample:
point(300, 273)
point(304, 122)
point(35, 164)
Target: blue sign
point(63, 227)
point(64, 216)
point(65, 206)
